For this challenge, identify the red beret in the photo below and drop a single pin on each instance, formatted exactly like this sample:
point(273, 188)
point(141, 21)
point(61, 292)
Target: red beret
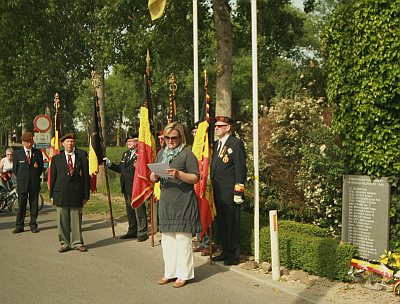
point(225, 119)
point(67, 136)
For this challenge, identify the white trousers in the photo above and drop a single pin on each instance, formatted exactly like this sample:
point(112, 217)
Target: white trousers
point(178, 255)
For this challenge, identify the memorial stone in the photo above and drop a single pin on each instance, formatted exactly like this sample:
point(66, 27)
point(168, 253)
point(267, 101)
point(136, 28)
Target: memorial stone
point(365, 214)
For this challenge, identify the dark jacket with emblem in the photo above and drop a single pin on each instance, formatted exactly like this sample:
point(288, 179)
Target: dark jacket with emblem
point(67, 190)
point(227, 169)
point(127, 170)
point(28, 175)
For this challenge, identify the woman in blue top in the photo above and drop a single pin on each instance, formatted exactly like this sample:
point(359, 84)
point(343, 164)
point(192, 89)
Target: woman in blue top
point(178, 210)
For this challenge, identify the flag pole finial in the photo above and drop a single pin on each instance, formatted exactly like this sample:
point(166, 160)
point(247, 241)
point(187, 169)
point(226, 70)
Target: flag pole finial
point(56, 101)
point(148, 58)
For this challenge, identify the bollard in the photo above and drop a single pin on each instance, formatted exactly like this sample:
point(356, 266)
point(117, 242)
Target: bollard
point(273, 227)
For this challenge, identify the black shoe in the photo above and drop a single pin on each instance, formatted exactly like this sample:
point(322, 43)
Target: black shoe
point(142, 238)
point(16, 230)
point(35, 230)
point(219, 258)
point(127, 236)
point(228, 262)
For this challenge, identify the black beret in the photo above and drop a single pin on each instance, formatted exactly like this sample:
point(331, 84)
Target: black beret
point(68, 136)
point(226, 119)
point(195, 126)
point(132, 135)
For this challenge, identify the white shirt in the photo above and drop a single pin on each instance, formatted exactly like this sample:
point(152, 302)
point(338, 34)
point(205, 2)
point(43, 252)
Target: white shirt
point(222, 141)
point(72, 156)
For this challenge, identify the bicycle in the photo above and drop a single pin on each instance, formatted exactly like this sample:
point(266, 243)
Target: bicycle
point(9, 196)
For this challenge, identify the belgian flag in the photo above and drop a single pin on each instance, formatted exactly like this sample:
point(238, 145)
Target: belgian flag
point(204, 191)
point(142, 185)
point(96, 154)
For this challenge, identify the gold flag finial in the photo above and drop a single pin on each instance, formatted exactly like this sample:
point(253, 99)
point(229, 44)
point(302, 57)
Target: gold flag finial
point(56, 101)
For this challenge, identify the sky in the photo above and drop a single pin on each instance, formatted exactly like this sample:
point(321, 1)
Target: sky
point(298, 3)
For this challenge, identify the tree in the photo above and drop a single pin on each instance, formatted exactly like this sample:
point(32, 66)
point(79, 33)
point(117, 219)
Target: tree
point(363, 49)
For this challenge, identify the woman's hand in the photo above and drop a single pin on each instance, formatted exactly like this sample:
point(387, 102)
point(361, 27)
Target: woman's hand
point(154, 178)
point(173, 172)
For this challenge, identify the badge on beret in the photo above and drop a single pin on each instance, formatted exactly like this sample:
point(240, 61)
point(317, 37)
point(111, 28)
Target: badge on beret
point(225, 159)
point(35, 165)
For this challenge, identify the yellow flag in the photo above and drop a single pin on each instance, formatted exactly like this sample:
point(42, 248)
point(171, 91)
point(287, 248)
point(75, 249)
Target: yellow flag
point(156, 8)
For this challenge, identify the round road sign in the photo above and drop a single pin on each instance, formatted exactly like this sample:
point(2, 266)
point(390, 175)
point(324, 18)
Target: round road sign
point(42, 123)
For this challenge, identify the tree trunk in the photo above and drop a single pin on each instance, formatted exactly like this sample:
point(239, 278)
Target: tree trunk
point(119, 129)
point(223, 27)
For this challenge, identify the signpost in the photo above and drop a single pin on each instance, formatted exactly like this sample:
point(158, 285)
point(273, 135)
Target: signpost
point(42, 136)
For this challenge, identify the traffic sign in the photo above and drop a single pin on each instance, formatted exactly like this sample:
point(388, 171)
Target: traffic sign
point(42, 140)
point(42, 123)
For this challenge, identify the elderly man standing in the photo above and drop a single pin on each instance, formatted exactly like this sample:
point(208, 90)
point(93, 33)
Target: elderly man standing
point(228, 175)
point(137, 218)
point(27, 167)
point(69, 191)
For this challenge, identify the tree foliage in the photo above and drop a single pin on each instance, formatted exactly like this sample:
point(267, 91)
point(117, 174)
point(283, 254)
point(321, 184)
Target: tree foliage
point(363, 47)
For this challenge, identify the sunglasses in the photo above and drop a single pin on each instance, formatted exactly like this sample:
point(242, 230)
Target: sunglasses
point(171, 137)
point(220, 126)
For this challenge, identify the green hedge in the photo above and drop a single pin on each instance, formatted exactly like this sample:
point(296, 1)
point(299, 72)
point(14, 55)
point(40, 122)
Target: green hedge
point(301, 246)
point(304, 246)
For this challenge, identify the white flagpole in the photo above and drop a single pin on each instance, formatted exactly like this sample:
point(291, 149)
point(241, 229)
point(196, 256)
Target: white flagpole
point(255, 129)
point(195, 64)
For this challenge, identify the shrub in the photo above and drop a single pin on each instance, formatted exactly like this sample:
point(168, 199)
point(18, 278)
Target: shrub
point(304, 246)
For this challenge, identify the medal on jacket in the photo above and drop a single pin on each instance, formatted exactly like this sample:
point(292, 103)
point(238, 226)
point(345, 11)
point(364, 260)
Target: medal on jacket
point(225, 159)
point(222, 153)
point(80, 173)
point(35, 165)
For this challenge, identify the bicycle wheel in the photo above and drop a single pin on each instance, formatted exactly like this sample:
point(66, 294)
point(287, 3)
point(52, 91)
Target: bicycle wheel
point(2, 204)
point(13, 203)
point(3, 201)
point(40, 202)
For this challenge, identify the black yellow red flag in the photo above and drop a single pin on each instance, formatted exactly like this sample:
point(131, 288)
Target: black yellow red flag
point(95, 144)
point(142, 185)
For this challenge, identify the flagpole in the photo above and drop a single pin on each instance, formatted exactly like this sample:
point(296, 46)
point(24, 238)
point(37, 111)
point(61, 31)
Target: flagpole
point(255, 130)
point(96, 84)
point(195, 63)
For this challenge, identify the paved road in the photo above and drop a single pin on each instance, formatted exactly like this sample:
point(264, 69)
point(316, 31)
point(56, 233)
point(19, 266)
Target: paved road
point(112, 271)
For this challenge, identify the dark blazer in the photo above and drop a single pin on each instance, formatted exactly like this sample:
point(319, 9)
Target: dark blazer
point(66, 190)
point(127, 170)
point(227, 169)
point(28, 176)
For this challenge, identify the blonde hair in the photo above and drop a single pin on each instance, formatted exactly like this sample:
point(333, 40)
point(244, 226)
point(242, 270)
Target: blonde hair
point(177, 127)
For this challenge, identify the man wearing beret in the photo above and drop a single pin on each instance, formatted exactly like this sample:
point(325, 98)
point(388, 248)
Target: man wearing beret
point(27, 167)
point(69, 191)
point(137, 218)
point(228, 175)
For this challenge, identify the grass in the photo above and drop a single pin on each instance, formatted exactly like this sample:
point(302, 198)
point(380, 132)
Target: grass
point(98, 205)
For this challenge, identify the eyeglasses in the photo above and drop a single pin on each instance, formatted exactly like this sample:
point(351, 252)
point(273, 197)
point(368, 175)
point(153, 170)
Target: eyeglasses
point(170, 137)
point(220, 126)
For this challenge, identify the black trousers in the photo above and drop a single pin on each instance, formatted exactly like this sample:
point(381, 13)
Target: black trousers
point(228, 225)
point(33, 197)
point(137, 218)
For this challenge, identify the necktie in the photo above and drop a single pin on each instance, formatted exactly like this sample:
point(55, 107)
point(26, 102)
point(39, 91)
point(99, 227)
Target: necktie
point(70, 165)
point(219, 146)
point(28, 156)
